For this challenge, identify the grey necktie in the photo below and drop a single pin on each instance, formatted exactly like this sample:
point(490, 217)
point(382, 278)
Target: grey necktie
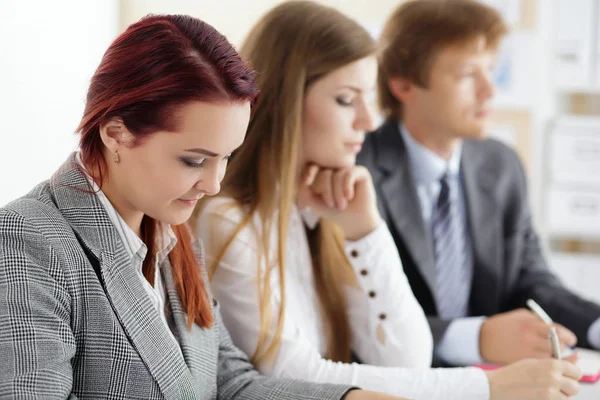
point(453, 275)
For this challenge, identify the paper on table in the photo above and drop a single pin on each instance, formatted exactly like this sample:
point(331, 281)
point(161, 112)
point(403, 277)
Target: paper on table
point(589, 362)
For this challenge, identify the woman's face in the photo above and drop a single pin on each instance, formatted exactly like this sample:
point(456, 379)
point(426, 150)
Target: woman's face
point(165, 175)
point(338, 111)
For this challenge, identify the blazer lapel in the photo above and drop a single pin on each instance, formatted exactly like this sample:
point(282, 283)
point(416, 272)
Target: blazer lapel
point(402, 202)
point(198, 345)
point(484, 221)
point(130, 302)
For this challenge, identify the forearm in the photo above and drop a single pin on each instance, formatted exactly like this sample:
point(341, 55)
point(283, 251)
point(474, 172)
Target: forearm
point(388, 325)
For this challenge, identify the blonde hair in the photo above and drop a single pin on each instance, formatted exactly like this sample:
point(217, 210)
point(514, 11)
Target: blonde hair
point(292, 46)
point(417, 30)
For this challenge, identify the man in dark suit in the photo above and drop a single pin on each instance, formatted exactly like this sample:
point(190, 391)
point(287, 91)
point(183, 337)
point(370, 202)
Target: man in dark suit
point(456, 202)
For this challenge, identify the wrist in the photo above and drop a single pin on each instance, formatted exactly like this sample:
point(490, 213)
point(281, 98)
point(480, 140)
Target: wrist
point(357, 230)
point(486, 348)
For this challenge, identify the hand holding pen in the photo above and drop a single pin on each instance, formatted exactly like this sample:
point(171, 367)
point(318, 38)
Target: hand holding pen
point(519, 334)
point(553, 335)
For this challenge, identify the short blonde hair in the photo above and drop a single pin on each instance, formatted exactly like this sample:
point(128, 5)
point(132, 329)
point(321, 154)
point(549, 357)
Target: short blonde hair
point(416, 32)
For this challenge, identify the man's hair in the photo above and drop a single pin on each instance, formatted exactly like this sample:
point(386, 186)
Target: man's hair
point(416, 32)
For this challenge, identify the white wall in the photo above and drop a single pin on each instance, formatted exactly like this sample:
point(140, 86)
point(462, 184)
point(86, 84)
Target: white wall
point(48, 52)
point(234, 18)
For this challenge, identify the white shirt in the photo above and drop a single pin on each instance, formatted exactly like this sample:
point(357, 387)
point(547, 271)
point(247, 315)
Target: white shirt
point(389, 330)
point(137, 251)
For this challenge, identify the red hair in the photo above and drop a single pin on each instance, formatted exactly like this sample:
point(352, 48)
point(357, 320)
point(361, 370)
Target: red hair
point(155, 66)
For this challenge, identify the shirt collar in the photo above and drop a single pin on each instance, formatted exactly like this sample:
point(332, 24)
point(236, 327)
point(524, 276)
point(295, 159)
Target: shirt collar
point(309, 217)
point(134, 246)
point(426, 166)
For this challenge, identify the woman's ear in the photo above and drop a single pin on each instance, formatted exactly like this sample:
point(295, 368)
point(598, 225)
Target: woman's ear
point(114, 134)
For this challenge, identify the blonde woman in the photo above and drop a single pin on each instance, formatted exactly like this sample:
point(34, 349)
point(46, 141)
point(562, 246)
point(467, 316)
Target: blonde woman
point(306, 271)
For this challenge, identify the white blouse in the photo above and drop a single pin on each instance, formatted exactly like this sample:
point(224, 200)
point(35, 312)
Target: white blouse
point(389, 331)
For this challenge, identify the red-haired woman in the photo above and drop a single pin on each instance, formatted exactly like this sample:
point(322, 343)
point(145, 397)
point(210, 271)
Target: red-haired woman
point(102, 290)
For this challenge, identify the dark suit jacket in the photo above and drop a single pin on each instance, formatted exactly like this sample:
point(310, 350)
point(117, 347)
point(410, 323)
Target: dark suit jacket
point(509, 266)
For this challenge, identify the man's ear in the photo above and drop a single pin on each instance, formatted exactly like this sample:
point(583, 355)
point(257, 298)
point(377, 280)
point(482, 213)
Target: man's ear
point(401, 89)
point(114, 134)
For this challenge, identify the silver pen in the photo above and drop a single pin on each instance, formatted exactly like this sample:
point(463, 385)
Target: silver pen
point(554, 343)
point(553, 335)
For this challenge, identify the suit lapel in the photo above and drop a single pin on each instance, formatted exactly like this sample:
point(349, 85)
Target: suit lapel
point(197, 345)
point(402, 202)
point(484, 221)
point(129, 300)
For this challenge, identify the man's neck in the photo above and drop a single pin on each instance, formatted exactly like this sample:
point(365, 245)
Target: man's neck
point(438, 142)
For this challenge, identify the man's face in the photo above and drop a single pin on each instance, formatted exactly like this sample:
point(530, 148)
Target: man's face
point(456, 102)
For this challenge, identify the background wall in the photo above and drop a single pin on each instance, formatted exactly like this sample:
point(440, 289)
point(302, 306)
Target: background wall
point(48, 52)
point(550, 65)
point(234, 18)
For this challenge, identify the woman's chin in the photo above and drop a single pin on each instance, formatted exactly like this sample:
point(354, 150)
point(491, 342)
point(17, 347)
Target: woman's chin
point(348, 161)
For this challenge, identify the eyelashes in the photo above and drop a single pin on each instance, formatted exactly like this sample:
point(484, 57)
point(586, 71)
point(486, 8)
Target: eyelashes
point(343, 102)
point(192, 164)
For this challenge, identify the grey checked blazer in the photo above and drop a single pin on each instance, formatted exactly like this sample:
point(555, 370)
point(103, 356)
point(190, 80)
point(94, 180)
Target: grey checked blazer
point(75, 321)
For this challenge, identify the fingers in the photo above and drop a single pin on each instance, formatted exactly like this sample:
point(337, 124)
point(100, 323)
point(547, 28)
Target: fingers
point(540, 344)
point(348, 182)
point(566, 337)
point(569, 387)
point(323, 186)
point(310, 173)
point(337, 188)
point(570, 370)
point(573, 357)
point(571, 374)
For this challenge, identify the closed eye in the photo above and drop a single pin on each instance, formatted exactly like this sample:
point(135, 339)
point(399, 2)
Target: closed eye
point(192, 164)
point(343, 102)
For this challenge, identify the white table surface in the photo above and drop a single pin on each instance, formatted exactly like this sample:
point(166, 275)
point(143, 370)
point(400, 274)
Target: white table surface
point(589, 360)
point(589, 391)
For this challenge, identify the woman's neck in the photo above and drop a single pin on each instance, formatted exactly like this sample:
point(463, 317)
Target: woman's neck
point(133, 218)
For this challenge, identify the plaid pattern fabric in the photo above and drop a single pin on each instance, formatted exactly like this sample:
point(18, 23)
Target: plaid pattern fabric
point(77, 323)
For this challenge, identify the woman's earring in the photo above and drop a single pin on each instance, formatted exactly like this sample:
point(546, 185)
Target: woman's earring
point(116, 157)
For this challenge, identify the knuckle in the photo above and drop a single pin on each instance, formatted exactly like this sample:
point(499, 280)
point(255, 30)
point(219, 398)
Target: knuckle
point(360, 168)
point(548, 393)
point(555, 377)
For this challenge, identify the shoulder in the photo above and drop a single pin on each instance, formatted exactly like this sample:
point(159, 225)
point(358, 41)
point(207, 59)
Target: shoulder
point(219, 216)
point(222, 218)
point(222, 207)
point(33, 233)
point(500, 165)
point(493, 152)
point(34, 213)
